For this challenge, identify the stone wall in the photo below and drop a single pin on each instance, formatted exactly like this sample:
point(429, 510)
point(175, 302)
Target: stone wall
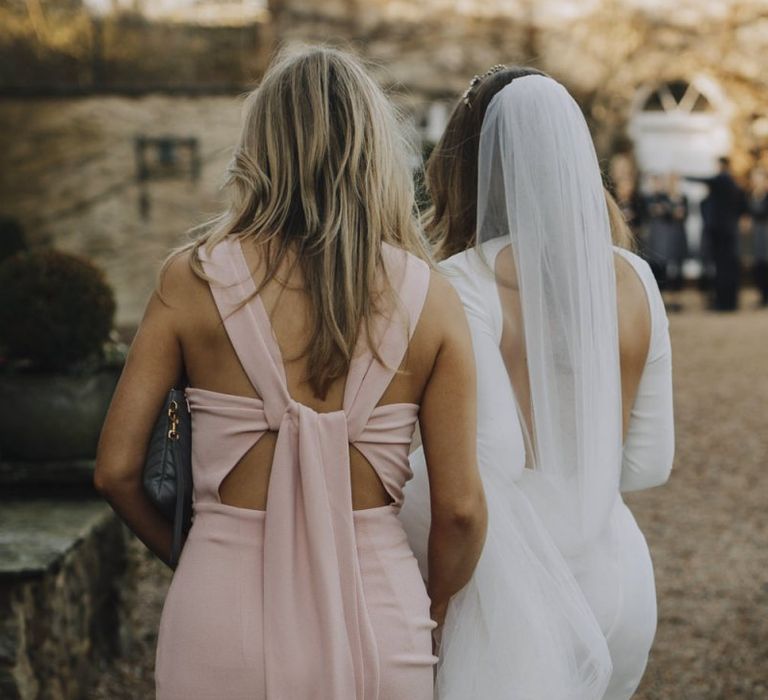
point(70, 177)
point(61, 570)
point(59, 46)
point(417, 51)
point(79, 89)
point(604, 51)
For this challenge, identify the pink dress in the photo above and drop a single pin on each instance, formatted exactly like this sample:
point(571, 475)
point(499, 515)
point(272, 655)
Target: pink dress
point(309, 599)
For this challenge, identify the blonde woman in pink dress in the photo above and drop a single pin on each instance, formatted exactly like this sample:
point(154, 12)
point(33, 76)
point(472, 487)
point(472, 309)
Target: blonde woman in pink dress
point(314, 336)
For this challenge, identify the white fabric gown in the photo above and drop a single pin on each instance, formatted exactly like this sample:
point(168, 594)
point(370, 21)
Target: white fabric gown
point(534, 623)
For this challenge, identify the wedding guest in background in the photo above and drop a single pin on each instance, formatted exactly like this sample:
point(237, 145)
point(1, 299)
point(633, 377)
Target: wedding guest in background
point(726, 205)
point(658, 209)
point(707, 277)
point(677, 243)
point(757, 208)
point(630, 203)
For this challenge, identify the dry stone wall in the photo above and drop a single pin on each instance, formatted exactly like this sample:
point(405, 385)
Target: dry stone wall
point(61, 571)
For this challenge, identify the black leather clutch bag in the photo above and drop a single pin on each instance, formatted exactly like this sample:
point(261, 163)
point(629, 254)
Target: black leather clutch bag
point(167, 475)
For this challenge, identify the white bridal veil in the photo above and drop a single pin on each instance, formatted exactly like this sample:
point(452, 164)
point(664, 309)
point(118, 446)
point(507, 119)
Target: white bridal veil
point(521, 629)
point(539, 187)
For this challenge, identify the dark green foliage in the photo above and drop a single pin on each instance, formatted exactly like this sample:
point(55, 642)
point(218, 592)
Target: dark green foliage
point(12, 238)
point(56, 309)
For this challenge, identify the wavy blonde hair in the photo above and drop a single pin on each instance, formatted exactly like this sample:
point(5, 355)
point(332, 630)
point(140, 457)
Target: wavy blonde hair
point(322, 171)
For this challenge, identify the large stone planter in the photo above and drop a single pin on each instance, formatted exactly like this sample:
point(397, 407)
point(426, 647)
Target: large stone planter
point(62, 579)
point(46, 417)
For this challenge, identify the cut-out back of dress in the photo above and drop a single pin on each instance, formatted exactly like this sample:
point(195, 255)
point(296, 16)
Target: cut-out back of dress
point(311, 572)
point(249, 428)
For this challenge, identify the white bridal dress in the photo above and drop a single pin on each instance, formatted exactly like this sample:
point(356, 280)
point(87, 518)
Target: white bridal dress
point(562, 604)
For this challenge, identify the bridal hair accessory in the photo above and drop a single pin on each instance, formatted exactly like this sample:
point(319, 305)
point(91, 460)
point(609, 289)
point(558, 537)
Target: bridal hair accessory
point(479, 79)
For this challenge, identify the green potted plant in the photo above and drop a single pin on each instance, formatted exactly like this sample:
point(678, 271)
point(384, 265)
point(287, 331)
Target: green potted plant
point(58, 365)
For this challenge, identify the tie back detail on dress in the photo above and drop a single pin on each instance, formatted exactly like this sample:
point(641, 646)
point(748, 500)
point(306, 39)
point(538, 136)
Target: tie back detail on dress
point(314, 603)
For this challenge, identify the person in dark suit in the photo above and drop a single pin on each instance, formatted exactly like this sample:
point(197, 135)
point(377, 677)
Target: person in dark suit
point(757, 205)
point(726, 203)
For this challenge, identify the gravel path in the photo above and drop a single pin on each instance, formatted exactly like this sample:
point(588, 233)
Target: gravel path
point(707, 529)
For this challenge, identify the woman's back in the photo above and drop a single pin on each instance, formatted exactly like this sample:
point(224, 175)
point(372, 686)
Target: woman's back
point(288, 473)
point(216, 372)
point(496, 322)
point(634, 309)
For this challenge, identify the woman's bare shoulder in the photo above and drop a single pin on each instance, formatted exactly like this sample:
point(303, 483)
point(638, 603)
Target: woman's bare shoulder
point(442, 317)
point(633, 270)
point(634, 308)
point(442, 303)
point(178, 284)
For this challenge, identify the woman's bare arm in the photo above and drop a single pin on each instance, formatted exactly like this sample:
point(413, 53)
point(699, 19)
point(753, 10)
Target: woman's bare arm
point(646, 368)
point(448, 422)
point(153, 367)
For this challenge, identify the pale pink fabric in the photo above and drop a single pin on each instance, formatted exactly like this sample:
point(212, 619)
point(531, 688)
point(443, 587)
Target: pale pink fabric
point(321, 616)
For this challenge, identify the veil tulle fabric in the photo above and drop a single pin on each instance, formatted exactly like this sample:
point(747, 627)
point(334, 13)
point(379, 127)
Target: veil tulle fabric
point(539, 187)
point(521, 629)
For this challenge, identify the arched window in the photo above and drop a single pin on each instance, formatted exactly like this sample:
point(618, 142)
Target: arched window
point(676, 96)
point(681, 126)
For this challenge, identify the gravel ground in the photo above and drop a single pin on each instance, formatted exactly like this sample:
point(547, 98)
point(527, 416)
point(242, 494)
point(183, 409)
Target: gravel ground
point(707, 529)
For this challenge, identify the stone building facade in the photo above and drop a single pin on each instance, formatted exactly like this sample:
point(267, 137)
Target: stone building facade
point(71, 178)
point(116, 127)
point(610, 53)
point(674, 83)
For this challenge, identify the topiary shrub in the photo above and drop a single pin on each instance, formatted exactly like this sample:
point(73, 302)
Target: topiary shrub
point(57, 309)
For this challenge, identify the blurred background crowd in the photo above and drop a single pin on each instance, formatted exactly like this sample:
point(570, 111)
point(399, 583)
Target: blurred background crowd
point(708, 229)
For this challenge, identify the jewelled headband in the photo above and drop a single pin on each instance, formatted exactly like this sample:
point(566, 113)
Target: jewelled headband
point(479, 79)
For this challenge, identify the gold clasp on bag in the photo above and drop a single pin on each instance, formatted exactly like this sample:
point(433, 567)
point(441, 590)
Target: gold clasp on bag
point(173, 417)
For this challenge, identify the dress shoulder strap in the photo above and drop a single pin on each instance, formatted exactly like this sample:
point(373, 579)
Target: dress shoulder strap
point(368, 378)
point(247, 324)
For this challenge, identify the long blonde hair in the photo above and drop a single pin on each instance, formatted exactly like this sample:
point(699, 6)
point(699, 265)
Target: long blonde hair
point(322, 170)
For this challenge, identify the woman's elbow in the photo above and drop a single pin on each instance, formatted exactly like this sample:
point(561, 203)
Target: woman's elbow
point(637, 475)
point(666, 459)
point(467, 516)
point(103, 481)
point(110, 480)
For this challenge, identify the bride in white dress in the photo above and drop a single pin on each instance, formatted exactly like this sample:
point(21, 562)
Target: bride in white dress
point(575, 403)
